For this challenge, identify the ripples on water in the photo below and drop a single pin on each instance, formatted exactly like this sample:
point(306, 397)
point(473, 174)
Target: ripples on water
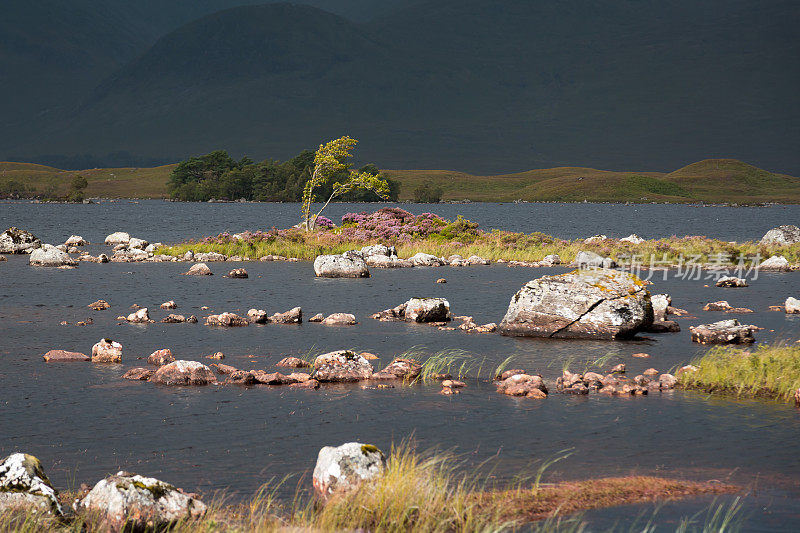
point(83, 421)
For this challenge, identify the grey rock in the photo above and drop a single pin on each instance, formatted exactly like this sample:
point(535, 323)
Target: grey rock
point(597, 303)
point(723, 332)
point(347, 265)
point(592, 260)
point(782, 235)
point(18, 241)
point(24, 486)
point(341, 366)
point(50, 256)
point(427, 310)
point(344, 468)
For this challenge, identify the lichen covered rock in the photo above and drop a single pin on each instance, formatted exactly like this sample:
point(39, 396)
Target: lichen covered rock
point(344, 468)
point(137, 503)
point(18, 241)
point(597, 304)
point(341, 366)
point(24, 486)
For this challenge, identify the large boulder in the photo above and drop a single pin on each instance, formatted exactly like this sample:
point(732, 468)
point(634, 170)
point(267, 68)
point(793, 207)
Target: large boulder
point(593, 260)
point(119, 237)
point(18, 241)
point(427, 310)
point(24, 486)
point(50, 256)
point(107, 351)
point(347, 265)
point(723, 332)
point(129, 502)
point(782, 235)
point(184, 373)
point(341, 366)
point(792, 305)
point(343, 468)
point(594, 304)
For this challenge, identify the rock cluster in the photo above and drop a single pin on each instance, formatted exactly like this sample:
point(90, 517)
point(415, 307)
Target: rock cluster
point(518, 383)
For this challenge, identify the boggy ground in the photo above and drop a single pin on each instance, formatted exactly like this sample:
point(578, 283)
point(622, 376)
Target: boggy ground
point(420, 492)
point(432, 234)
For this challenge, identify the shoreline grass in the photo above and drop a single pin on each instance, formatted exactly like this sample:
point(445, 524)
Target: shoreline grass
point(763, 372)
point(427, 492)
point(431, 234)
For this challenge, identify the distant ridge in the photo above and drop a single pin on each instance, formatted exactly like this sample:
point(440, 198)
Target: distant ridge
point(708, 181)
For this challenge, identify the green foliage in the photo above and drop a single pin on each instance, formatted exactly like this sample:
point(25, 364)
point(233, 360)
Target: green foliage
point(12, 189)
point(428, 193)
point(77, 187)
point(644, 185)
point(217, 175)
point(332, 169)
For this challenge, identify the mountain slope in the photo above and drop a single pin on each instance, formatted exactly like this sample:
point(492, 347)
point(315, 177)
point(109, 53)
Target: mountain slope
point(472, 84)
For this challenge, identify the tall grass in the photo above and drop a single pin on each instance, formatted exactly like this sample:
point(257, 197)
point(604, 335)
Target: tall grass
point(456, 362)
point(766, 371)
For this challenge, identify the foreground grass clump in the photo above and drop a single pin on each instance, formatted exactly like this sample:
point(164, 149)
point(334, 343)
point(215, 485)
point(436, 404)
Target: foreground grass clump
point(417, 492)
point(432, 234)
point(766, 371)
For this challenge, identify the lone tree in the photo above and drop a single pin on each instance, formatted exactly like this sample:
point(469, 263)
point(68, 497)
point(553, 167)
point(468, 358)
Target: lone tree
point(330, 164)
point(77, 186)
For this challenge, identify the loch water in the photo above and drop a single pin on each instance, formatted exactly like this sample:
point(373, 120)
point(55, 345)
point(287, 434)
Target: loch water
point(84, 422)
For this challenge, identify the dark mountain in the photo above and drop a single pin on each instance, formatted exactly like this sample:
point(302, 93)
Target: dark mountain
point(470, 84)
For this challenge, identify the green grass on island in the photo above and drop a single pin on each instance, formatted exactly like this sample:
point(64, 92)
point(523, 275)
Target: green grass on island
point(431, 234)
point(708, 181)
point(763, 371)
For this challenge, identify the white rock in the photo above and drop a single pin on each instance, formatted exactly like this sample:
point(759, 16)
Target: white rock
point(660, 304)
point(145, 501)
point(344, 468)
point(24, 485)
point(50, 256)
point(593, 260)
point(633, 239)
point(423, 259)
point(139, 244)
point(477, 260)
point(792, 305)
point(776, 262)
point(119, 237)
point(378, 249)
point(17, 241)
point(427, 310)
point(76, 240)
point(595, 238)
point(347, 265)
point(107, 351)
point(782, 235)
point(140, 316)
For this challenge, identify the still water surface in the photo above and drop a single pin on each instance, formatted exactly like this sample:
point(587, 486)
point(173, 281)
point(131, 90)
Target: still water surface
point(84, 422)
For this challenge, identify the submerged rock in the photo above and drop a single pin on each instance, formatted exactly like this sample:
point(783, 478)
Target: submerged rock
point(347, 265)
point(50, 256)
point(782, 235)
point(228, 320)
point(292, 362)
point(131, 502)
point(139, 374)
point(184, 373)
point(24, 486)
point(723, 332)
point(99, 305)
point(341, 366)
point(62, 355)
point(18, 241)
point(400, 368)
point(107, 351)
point(344, 468)
point(200, 269)
point(599, 304)
point(340, 319)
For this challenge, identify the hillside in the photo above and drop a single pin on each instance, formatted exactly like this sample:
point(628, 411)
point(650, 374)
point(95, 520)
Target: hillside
point(710, 181)
point(472, 84)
